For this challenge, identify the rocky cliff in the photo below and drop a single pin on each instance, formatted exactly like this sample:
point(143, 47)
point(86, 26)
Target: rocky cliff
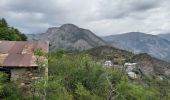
point(69, 37)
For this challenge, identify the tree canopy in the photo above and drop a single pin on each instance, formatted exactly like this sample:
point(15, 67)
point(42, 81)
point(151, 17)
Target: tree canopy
point(10, 33)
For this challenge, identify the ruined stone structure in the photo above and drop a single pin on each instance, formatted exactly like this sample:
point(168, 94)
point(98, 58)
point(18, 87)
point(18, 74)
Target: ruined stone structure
point(17, 58)
point(130, 70)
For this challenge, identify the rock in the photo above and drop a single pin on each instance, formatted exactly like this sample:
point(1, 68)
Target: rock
point(132, 75)
point(35, 78)
point(130, 66)
point(22, 84)
point(69, 37)
point(160, 78)
point(30, 74)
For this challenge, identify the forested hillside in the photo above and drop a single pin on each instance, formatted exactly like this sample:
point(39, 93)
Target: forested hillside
point(10, 33)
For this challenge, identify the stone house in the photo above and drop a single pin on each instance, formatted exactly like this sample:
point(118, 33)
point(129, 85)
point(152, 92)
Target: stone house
point(129, 69)
point(108, 63)
point(17, 59)
point(130, 66)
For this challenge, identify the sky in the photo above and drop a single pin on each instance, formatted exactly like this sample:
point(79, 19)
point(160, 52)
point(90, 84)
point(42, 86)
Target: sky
point(103, 17)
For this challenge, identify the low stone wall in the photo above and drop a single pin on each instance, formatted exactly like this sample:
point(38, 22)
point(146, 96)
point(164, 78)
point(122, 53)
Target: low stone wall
point(24, 76)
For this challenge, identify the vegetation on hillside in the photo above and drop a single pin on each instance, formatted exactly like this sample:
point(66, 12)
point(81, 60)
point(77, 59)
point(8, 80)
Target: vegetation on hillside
point(10, 33)
point(8, 90)
point(79, 77)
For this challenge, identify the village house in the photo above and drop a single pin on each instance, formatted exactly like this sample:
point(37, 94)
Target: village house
point(17, 59)
point(108, 63)
point(129, 67)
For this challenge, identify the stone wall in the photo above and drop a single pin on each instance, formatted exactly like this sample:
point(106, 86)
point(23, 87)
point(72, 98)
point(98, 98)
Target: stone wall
point(24, 76)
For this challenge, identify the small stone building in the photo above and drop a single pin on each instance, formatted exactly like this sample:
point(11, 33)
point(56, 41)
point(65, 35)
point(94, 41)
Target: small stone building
point(17, 59)
point(108, 63)
point(129, 67)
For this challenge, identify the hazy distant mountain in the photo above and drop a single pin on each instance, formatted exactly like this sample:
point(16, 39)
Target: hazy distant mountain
point(143, 43)
point(165, 36)
point(69, 37)
point(34, 36)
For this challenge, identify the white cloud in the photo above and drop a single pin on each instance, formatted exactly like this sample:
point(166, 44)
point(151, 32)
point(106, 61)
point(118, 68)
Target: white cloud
point(104, 17)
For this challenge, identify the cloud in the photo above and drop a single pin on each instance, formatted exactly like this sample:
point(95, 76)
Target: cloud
point(104, 17)
point(123, 8)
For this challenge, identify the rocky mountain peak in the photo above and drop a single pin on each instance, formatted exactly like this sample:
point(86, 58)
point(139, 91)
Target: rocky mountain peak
point(51, 29)
point(69, 28)
point(71, 37)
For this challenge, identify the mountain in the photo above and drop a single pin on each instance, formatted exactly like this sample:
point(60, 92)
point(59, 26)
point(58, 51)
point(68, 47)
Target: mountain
point(165, 36)
point(69, 37)
point(149, 66)
point(143, 43)
point(34, 36)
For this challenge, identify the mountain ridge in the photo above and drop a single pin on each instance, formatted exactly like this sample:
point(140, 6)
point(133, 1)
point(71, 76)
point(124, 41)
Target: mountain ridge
point(143, 43)
point(69, 37)
point(165, 36)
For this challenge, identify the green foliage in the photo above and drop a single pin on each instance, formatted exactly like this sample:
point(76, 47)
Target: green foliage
point(10, 33)
point(80, 77)
point(84, 94)
point(56, 91)
point(38, 89)
point(72, 70)
point(2, 80)
point(134, 92)
point(41, 59)
point(8, 90)
point(158, 88)
point(3, 23)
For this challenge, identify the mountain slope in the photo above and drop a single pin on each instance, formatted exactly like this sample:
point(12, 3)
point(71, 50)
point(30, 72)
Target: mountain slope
point(165, 36)
point(143, 43)
point(34, 36)
point(150, 66)
point(70, 37)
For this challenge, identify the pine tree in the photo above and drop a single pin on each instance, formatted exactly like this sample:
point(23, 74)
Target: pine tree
point(3, 23)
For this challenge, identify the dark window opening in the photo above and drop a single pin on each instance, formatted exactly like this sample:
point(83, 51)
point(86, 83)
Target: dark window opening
point(7, 71)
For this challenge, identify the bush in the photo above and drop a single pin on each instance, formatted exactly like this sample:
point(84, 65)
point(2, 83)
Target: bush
point(80, 77)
